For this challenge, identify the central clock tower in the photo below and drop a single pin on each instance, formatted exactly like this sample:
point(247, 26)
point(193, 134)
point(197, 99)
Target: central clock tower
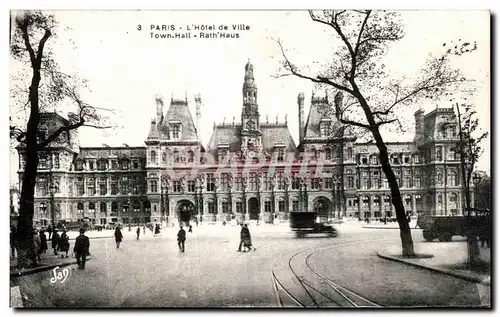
point(251, 136)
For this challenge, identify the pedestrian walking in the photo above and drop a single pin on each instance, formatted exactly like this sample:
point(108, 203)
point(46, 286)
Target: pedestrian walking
point(247, 239)
point(13, 241)
point(49, 230)
point(157, 229)
point(144, 230)
point(181, 239)
point(81, 249)
point(118, 237)
point(138, 232)
point(242, 236)
point(38, 244)
point(64, 243)
point(190, 229)
point(55, 241)
point(43, 238)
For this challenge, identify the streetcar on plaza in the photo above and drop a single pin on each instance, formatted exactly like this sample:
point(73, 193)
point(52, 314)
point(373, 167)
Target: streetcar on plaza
point(307, 223)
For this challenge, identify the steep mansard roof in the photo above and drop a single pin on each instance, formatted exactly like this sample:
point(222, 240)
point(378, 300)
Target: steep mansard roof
point(178, 111)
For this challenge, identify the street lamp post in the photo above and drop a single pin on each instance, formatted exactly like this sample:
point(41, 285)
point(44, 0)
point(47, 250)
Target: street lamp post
point(53, 190)
point(476, 179)
point(162, 190)
point(129, 211)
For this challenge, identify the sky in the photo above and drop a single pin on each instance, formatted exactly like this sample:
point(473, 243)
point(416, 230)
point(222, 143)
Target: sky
point(126, 67)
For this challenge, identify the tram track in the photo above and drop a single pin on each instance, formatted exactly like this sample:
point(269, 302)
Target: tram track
point(332, 294)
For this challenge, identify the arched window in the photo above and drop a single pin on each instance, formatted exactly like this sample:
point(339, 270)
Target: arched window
point(114, 206)
point(453, 179)
point(42, 208)
point(349, 153)
point(91, 206)
point(79, 206)
point(147, 206)
point(164, 156)
point(190, 156)
point(153, 157)
point(103, 207)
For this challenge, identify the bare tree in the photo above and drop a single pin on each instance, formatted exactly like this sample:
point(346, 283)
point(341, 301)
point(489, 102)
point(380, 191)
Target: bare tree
point(48, 88)
point(366, 96)
point(470, 151)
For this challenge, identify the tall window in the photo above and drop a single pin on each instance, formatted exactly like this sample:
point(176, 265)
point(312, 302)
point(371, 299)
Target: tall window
point(349, 153)
point(439, 153)
point(114, 185)
point(267, 206)
point(418, 182)
point(91, 186)
point(124, 185)
point(407, 182)
point(103, 207)
point(281, 181)
point(452, 178)
point(153, 157)
point(268, 183)
point(56, 161)
point(91, 165)
point(366, 202)
point(224, 179)
point(210, 182)
point(125, 164)
point(91, 207)
point(79, 186)
point(43, 210)
point(114, 208)
point(43, 161)
point(328, 154)
point(295, 182)
point(177, 186)
point(281, 205)
point(225, 207)
point(43, 186)
point(295, 205)
point(135, 185)
point(153, 186)
point(350, 182)
point(175, 131)
point(239, 207)
point(253, 181)
point(239, 183)
point(191, 184)
point(114, 164)
point(211, 208)
point(315, 183)
point(103, 188)
point(101, 165)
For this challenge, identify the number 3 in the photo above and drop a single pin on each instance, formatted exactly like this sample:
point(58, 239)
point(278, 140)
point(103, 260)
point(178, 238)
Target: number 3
point(139, 27)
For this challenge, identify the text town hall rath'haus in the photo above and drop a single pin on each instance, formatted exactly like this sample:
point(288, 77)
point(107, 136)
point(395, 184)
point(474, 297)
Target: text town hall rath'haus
point(106, 185)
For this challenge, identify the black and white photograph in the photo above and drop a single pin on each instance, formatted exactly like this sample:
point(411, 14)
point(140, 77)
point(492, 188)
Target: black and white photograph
point(333, 158)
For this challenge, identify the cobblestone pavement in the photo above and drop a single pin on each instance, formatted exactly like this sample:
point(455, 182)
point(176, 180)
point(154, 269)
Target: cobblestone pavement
point(151, 272)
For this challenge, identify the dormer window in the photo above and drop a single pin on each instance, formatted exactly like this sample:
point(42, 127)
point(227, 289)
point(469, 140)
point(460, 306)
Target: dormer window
point(222, 151)
point(175, 130)
point(279, 148)
point(325, 128)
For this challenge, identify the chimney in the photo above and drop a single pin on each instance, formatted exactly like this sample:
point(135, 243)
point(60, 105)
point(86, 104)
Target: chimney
point(419, 126)
point(159, 109)
point(300, 102)
point(197, 101)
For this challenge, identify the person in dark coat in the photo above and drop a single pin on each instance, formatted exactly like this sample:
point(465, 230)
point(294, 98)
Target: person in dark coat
point(190, 229)
point(242, 236)
point(38, 244)
point(49, 230)
point(157, 229)
point(138, 231)
point(247, 239)
point(43, 238)
point(13, 241)
point(55, 241)
point(118, 237)
point(181, 238)
point(81, 249)
point(64, 243)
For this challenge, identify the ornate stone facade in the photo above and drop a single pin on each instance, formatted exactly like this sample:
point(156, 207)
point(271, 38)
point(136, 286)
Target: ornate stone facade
point(167, 180)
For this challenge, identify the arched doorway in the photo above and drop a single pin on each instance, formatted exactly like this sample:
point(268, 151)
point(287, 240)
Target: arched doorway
point(253, 208)
point(322, 206)
point(185, 210)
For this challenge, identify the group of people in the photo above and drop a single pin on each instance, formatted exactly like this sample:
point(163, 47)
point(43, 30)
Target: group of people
point(245, 239)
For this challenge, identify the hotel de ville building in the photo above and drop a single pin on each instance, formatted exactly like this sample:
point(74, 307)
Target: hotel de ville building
point(104, 185)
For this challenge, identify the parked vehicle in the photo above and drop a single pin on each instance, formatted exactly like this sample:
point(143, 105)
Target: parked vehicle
point(304, 223)
point(445, 227)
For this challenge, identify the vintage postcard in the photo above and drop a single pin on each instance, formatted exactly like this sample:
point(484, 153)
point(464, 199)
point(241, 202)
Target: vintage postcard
point(249, 159)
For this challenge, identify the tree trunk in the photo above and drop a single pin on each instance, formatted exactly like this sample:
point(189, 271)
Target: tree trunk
point(24, 237)
point(473, 257)
point(404, 227)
